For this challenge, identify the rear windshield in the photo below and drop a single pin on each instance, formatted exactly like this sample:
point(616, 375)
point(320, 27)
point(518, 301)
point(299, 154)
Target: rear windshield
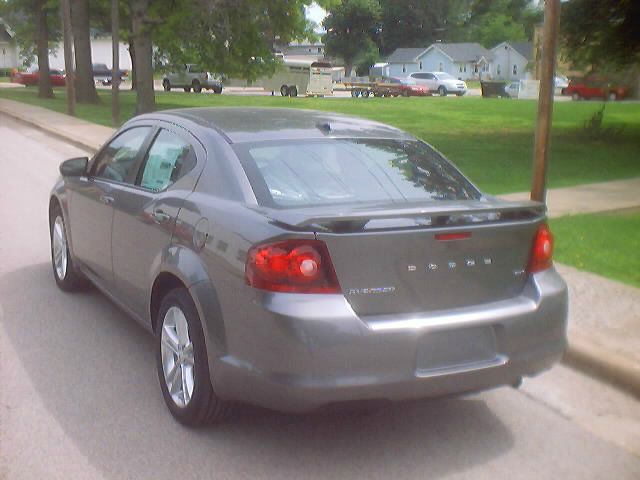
point(339, 171)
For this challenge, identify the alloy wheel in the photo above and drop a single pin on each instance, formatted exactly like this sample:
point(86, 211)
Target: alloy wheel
point(59, 239)
point(177, 356)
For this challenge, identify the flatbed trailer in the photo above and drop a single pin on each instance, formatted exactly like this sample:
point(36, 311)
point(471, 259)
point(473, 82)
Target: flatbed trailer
point(375, 88)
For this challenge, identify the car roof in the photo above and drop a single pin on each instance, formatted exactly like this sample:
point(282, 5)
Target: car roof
point(242, 125)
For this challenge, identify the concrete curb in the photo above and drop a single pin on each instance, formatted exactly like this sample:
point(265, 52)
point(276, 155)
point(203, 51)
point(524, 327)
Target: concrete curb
point(603, 364)
point(582, 353)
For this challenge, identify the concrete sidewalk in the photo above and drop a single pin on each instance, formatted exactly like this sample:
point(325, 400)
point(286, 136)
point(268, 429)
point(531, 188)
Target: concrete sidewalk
point(85, 135)
point(589, 198)
point(604, 331)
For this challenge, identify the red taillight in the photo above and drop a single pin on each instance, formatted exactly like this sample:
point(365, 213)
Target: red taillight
point(295, 266)
point(542, 251)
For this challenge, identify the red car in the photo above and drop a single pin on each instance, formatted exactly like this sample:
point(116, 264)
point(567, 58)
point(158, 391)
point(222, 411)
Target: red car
point(31, 77)
point(579, 89)
point(393, 86)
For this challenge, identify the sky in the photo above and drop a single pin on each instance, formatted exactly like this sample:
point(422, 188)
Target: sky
point(315, 13)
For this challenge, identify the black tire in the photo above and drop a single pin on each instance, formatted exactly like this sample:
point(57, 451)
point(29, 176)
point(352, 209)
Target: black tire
point(442, 91)
point(71, 280)
point(459, 94)
point(197, 88)
point(204, 406)
point(293, 91)
point(166, 85)
point(284, 90)
point(217, 91)
point(187, 89)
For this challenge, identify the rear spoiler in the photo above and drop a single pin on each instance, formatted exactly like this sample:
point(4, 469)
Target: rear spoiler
point(438, 213)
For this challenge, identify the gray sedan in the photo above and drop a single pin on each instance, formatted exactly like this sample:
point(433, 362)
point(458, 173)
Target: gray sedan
point(297, 259)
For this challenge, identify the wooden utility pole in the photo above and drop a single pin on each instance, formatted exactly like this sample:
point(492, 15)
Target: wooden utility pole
point(545, 99)
point(70, 80)
point(115, 67)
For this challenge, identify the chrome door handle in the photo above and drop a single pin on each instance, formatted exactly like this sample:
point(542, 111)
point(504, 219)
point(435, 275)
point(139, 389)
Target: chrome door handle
point(106, 199)
point(160, 216)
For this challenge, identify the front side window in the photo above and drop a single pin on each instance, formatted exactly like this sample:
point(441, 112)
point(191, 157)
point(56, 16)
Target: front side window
point(169, 158)
point(350, 171)
point(118, 161)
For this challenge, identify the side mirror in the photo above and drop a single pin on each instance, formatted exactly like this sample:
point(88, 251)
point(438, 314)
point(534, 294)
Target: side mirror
point(74, 167)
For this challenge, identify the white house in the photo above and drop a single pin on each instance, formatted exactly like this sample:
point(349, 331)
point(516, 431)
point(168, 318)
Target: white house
point(8, 48)
point(510, 60)
point(100, 53)
point(312, 50)
point(462, 60)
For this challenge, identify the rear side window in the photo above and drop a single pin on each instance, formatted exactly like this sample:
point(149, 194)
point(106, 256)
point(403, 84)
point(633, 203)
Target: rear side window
point(118, 161)
point(169, 158)
point(312, 173)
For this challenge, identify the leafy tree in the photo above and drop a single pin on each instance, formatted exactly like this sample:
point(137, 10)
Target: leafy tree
point(601, 33)
point(234, 37)
point(491, 29)
point(366, 60)
point(36, 24)
point(414, 23)
point(351, 27)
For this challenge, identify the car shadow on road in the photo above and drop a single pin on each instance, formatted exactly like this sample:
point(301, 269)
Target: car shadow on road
point(94, 370)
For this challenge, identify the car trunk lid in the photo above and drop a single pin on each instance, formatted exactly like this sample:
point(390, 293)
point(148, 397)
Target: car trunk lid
point(425, 257)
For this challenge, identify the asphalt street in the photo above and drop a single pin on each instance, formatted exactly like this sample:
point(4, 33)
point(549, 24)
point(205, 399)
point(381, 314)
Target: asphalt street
point(79, 396)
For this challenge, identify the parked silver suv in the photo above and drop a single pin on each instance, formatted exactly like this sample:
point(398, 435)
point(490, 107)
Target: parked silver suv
point(191, 76)
point(440, 82)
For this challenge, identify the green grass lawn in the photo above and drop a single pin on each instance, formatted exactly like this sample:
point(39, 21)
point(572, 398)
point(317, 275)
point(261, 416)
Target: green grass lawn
point(491, 140)
point(607, 244)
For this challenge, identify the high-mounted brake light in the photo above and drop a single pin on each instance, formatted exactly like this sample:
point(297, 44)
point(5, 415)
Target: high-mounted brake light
point(453, 236)
point(542, 251)
point(294, 266)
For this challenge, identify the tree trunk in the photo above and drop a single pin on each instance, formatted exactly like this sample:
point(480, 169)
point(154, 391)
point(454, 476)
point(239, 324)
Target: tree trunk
point(132, 54)
point(348, 68)
point(44, 83)
point(145, 98)
point(85, 86)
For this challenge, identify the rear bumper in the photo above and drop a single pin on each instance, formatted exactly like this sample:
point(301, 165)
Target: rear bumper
point(309, 352)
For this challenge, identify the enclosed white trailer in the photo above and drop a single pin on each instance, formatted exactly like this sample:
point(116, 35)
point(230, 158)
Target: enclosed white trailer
point(292, 77)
